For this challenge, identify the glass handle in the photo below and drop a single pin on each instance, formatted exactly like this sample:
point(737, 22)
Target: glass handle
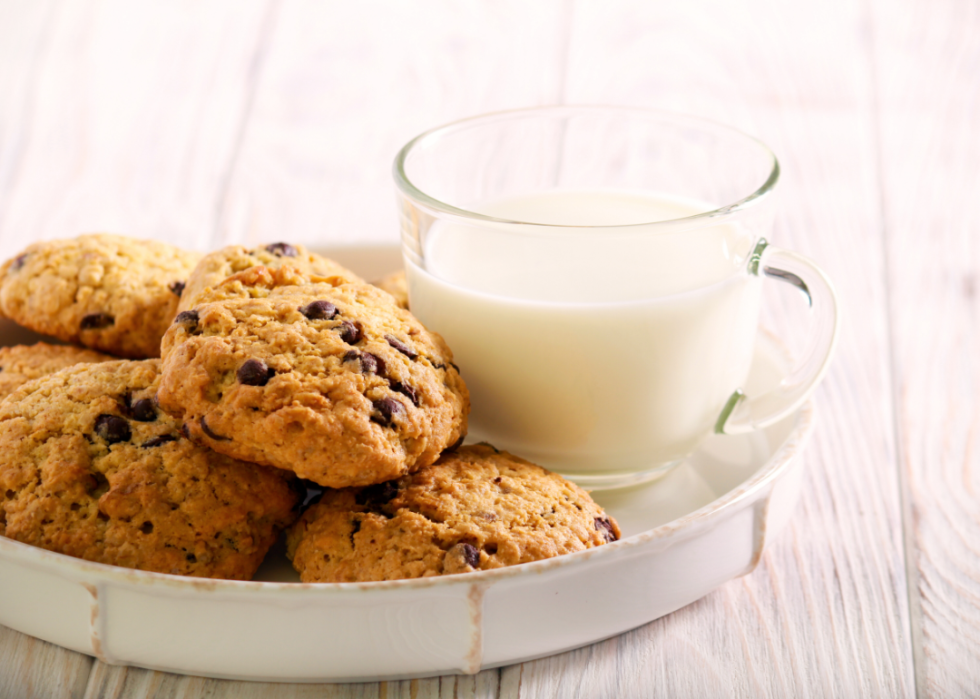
point(744, 413)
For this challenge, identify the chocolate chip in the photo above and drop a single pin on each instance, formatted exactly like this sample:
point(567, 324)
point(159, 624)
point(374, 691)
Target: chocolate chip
point(367, 363)
point(377, 495)
point(605, 527)
point(177, 287)
point(96, 321)
point(467, 553)
point(146, 527)
point(112, 429)
point(185, 430)
point(191, 558)
point(402, 347)
point(497, 479)
point(319, 310)
point(350, 333)
point(255, 372)
point(406, 391)
point(282, 249)
point(386, 409)
point(143, 410)
point(189, 319)
point(158, 441)
point(212, 435)
point(18, 262)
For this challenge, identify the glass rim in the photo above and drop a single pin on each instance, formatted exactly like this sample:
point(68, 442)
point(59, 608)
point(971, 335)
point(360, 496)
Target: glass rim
point(409, 189)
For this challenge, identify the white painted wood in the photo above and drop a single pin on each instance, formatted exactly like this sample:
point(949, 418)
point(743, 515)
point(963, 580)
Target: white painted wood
point(123, 116)
point(108, 682)
point(33, 669)
point(345, 85)
point(928, 66)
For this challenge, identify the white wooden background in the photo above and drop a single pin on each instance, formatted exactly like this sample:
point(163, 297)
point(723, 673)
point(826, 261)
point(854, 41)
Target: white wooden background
point(203, 122)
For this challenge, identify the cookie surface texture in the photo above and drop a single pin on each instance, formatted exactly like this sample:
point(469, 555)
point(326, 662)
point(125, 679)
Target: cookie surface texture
point(22, 363)
point(91, 468)
point(474, 509)
point(107, 292)
point(217, 266)
point(320, 376)
point(395, 284)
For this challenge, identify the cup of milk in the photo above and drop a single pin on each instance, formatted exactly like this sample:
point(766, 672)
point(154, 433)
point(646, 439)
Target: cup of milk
point(598, 272)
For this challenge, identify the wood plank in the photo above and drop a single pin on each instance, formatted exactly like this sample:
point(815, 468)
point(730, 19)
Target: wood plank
point(33, 669)
point(825, 614)
point(928, 62)
point(108, 682)
point(125, 118)
point(346, 85)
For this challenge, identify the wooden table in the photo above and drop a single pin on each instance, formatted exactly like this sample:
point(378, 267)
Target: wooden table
point(206, 122)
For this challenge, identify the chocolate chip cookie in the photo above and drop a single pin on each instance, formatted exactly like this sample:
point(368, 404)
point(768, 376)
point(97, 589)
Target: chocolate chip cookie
point(217, 266)
point(107, 292)
point(474, 509)
point(22, 363)
point(317, 375)
point(397, 285)
point(90, 467)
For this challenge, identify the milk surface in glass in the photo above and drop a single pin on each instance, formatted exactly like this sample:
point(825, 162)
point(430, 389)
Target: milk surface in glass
point(576, 347)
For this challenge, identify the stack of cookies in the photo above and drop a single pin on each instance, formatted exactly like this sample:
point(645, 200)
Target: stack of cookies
point(203, 399)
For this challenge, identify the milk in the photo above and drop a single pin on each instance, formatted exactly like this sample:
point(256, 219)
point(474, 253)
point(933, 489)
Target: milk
point(606, 345)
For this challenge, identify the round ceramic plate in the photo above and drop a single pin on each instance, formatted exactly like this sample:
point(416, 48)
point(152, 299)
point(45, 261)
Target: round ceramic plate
point(706, 522)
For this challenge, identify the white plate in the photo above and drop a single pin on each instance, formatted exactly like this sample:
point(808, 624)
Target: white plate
point(706, 522)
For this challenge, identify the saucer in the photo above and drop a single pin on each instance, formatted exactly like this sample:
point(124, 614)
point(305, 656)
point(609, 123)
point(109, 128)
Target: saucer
point(704, 523)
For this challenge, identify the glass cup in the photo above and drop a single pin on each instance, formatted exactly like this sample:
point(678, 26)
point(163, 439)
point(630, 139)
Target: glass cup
point(597, 273)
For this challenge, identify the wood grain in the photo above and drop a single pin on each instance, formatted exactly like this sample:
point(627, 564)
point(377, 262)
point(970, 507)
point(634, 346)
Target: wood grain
point(346, 85)
point(928, 63)
point(108, 682)
point(33, 669)
point(124, 116)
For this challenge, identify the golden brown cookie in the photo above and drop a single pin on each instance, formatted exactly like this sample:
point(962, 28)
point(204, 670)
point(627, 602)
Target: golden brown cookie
point(217, 266)
point(107, 292)
point(474, 509)
point(318, 375)
point(22, 363)
point(397, 285)
point(89, 467)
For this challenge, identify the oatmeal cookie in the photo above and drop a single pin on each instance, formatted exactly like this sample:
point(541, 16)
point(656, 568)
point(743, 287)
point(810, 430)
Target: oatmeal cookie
point(396, 285)
point(317, 375)
point(22, 363)
point(90, 467)
point(217, 266)
point(474, 509)
point(108, 292)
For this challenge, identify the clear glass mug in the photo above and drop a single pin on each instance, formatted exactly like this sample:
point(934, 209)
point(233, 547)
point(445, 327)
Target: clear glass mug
point(597, 273)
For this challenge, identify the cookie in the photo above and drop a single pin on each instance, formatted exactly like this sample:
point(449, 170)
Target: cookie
point(106, 292)
point(217, 266)
point(22, 363)
point(91, 468)
point(475, 509)
point(317, 375)
point(397, 285)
